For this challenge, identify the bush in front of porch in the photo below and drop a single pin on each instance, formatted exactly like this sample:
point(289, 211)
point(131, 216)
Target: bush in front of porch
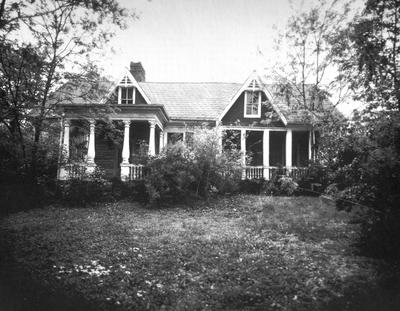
point(193, 170)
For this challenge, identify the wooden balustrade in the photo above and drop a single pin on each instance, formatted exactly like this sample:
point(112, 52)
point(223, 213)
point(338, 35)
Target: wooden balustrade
point(136, 172)
point(76, 170)
point(257, 172)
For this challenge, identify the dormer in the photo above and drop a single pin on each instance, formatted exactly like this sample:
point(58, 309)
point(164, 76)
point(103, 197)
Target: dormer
point(252, 105)
point(126, 91)
point(252, 100)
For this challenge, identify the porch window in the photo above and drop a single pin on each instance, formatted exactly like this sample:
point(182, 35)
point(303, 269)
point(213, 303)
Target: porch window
point(189, 138)
point(174, 137)
point(127, 95)
point(252, 106)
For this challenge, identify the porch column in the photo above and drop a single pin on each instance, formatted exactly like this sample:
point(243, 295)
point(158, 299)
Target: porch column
point(243, 151)
point(289, 149)
point(266, 154)
point(220, 139)
point(165, 139)
point(152, 146)
point(310, 145)
point(66, 140)
point(161, 141)
point(63, 173)
point(125, 152)
point(91, 148)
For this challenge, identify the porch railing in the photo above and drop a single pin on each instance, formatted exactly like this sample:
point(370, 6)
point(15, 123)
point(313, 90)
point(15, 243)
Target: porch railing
point(254, 172)
point(136, 172)
point(76, 170)
point(268, 172)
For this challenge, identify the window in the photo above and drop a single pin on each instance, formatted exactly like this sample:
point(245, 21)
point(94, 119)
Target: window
point(126, 91)
point(252, 107)
point(173, 138)
point(127, 95)
point(189, 138)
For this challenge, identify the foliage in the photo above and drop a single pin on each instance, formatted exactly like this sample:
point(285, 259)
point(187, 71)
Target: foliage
point(307, 74)
point(280, 185)
point(171, 174)
point(183, 170)
point(57, 35)
point(86, 188)
point(366, 170)
point(233, 253)
point(216, 168)
point(369, 55)
point(317, 178)
point(368, 175)
point(142, 154)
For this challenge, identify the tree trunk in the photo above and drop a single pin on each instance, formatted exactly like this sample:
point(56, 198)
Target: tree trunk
point(35, 148)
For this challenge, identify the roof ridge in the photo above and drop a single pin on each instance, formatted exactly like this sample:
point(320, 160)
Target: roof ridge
point(192, 82)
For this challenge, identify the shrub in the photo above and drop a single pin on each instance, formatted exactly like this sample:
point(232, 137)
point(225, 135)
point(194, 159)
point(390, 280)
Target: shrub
point(287, 186)
point(317, 176)
point(133, 191)
point(366, 174)
point(171, 175)
point(253, 186)
point(86, 188)
point(183, 170)
point(280, 185)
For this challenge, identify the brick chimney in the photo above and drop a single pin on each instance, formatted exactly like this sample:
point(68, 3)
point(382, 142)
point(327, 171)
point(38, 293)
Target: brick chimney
point(138, 72)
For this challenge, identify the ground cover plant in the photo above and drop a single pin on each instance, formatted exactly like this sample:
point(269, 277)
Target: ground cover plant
point(243, 252)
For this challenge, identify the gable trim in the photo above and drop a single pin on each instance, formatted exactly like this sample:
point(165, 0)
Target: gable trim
point(117, 83)
point(253, 76)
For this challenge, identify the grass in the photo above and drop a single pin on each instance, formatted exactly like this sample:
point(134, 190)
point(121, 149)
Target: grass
point(234, 253)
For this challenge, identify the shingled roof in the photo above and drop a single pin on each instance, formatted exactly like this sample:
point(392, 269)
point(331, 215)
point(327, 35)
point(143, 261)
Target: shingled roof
point(195, 101)
point(191, 101)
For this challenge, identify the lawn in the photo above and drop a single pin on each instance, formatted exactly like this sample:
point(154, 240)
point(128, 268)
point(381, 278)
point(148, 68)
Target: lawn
point(234, 253)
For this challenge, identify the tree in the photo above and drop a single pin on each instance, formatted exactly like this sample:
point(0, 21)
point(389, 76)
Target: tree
point(61, 34)
point(308, 75)
point(307, 78)
point(367, 173)
point(370, 55)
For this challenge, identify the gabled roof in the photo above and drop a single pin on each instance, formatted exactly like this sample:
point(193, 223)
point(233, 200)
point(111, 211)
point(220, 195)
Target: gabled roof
point(126, 78)
point(208, 101)
point(191, 101)
point(254, 81)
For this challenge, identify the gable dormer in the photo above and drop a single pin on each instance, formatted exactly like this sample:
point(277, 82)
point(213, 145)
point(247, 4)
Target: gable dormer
point(252, 105)
point(252, 100)
point(126, 91)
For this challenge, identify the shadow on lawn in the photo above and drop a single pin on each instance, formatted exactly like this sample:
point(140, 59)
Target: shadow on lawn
point(20, 292)
point(383, 296)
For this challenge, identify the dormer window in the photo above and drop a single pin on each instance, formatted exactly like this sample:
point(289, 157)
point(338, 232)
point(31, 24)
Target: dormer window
point(127, 95)
point(252, 100)
point(126, 91)
point(252, 104)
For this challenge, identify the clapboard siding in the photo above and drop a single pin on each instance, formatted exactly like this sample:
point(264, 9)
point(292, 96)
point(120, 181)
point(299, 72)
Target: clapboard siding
point(106, 157)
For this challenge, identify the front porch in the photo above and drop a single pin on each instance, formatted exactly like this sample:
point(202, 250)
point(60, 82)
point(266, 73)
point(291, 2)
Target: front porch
point(266, 152)
point(86, 147)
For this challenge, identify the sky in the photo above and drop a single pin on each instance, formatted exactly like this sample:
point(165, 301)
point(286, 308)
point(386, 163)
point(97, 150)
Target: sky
point(200, 40)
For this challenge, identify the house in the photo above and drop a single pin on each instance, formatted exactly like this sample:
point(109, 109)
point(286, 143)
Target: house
point(157, 113)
